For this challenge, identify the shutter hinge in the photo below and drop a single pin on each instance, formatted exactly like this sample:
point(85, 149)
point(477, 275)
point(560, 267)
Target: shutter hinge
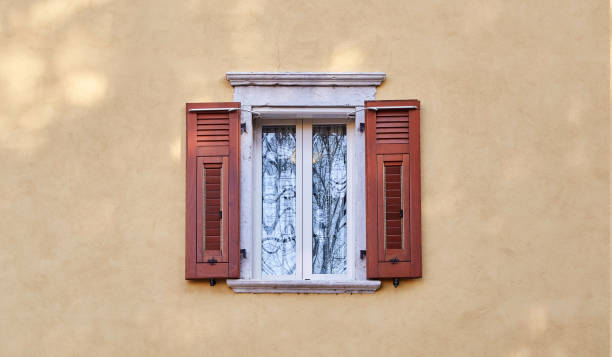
point(395, 282)
point(243, 253)
point(362, 254)
point(401, 213)
point(394, 260)
point(212, 261)
point(362, 127)
point(243, 128)
point(220, 214)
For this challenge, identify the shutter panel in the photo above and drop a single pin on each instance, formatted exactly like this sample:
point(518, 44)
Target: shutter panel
point(393, 189)
point(212, 238)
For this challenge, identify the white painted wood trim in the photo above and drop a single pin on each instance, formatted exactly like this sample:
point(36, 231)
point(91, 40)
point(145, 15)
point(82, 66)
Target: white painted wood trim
point(349, 79)
point(304, 286)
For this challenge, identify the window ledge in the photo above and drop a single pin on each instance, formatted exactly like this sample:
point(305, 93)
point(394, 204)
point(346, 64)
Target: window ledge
point(304, 286)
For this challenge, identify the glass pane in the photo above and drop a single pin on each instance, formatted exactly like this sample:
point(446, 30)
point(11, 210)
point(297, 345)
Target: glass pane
point(278, 201)
point(329, 199)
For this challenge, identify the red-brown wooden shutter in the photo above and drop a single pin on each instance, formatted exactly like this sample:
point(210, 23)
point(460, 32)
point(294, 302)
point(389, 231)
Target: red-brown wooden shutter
point(212, 238)
point(393, 189)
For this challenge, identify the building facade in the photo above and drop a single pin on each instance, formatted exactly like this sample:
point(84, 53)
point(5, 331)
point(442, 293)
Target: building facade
point(514, 176)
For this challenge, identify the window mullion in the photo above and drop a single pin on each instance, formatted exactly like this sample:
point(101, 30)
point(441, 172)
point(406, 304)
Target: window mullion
point(299, 201)
point(307, 197)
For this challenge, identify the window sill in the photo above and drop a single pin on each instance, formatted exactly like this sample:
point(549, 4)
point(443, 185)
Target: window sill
point(304, 286)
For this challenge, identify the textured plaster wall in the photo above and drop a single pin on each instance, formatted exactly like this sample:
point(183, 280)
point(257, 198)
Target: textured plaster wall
point(515, 141)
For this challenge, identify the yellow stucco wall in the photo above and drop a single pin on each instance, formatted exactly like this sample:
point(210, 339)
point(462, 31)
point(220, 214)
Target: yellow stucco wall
point(514, 167)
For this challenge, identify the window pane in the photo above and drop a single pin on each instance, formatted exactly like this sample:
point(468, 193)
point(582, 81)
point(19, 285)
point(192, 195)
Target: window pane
point(278, 201)
point(329, 199)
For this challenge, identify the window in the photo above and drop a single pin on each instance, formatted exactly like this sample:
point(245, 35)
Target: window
point(302, 182)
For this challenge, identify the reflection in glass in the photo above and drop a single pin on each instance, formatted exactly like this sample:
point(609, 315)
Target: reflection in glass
point(329, 199)
point(278, 201)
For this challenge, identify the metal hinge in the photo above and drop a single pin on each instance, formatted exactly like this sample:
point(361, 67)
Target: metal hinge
point(220, 214)
point(401, 213)
point(212, 261)
point(394, 260)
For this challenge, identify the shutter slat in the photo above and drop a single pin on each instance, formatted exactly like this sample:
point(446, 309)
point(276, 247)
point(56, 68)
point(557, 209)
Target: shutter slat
point(382, 125)
point(392, 113)
point(213, 122)
point(392, 130)
point(210, 132)
point(394, 141)
point(202, 127)
point(391, 119)
point(392, 136)
point(211, 137)
point(212, 141)
point(213, 116)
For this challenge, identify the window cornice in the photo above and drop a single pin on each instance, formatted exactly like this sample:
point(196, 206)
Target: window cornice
point(350, 79)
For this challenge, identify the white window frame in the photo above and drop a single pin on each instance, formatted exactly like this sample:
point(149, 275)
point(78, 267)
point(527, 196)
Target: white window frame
point(303, 200)
point(303, 95)
point(307, 194)
point(257, 197)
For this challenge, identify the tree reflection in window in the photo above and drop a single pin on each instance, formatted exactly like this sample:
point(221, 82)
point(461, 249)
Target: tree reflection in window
point(278, 201)
point(329, 199)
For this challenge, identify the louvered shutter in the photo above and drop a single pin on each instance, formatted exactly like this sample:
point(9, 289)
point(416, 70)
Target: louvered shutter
point(212, 240)
point(393, 193)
